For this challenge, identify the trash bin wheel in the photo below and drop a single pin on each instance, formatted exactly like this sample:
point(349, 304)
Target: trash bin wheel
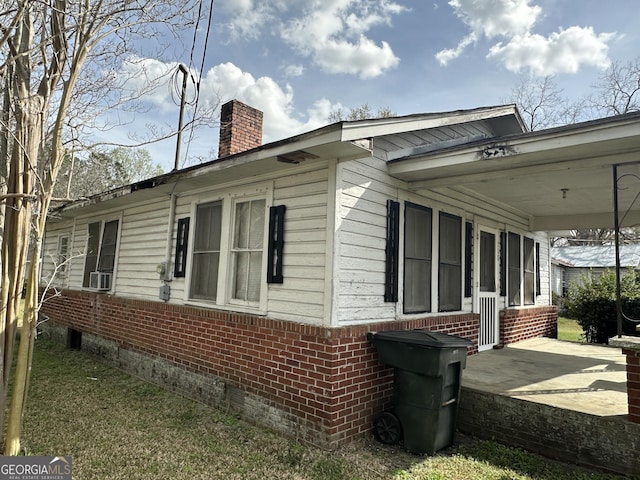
point(387, 428)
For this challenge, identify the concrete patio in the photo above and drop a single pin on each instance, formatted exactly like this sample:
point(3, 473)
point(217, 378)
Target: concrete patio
point(565, 400)
point(582, 377)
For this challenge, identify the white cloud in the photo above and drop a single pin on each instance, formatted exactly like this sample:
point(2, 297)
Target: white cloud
point(497, 17)
point(561, 52)
point(147, 77)
point(246, 17)
point(333, 33)
point(226, 81)
point(448, 54)
point(293, 70)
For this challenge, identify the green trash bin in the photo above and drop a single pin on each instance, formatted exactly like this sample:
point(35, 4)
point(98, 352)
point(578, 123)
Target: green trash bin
point(426, 388)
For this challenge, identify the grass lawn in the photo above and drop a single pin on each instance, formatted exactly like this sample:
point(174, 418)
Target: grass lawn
point(118, 427)
point(569, 330)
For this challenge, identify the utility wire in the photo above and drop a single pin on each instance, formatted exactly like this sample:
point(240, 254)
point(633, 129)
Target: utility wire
point(204, 55)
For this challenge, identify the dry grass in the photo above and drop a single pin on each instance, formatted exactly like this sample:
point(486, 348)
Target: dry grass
point(119, 427)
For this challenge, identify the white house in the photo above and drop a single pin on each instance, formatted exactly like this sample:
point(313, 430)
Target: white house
point(570, 263)
point(253, 279)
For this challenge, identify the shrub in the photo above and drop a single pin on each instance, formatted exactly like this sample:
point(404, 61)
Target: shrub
point(592, 302)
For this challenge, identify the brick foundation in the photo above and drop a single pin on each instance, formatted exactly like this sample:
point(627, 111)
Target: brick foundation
point(633, 383)
point(328, 379)
point(523, 323)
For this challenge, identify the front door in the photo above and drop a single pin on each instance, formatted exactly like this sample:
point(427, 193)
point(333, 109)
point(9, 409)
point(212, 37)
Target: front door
point(487, 287)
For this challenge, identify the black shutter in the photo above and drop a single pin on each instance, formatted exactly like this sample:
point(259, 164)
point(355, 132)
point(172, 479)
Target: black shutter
point(392, 251)
point(538, 286)
point(182, 241)
point(276, 244)
point(503, 264)
point(468, 258)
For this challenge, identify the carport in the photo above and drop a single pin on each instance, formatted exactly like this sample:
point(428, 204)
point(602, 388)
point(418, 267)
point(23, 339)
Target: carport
point(561, 179)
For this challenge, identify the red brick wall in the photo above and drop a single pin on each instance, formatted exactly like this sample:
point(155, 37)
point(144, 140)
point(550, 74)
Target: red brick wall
point(633, 383)
point(329, 378)
point(522, 323)
point(240, 128)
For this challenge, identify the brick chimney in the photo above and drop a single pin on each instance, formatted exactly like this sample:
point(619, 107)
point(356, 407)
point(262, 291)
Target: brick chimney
point(240, 128)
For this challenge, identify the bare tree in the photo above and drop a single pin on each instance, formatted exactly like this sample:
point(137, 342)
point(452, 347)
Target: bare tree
point(617, 90)
point(363, 112)
point(542, 104)
point(46, 51)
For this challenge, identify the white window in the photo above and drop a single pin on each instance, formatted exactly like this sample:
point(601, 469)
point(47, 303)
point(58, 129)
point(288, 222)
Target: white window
point(432, 260)
point(523, 269)
point(450, 263)
point(63, 253)
point(227, 259)
point(246, 251)
point(206, 251)
point(417, 259)
point(99, 263)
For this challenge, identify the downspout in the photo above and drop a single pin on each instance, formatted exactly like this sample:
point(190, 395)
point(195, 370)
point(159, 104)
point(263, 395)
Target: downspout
point(173, 199)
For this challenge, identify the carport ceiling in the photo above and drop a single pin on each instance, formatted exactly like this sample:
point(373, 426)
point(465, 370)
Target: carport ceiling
point(561, 178)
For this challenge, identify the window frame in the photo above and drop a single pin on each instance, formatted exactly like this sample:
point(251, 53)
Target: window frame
point(443, 264)
point(436, 211)
point(62, 266)
point(526, 276)
point(229, 200)
point(429, 261)
point(116, 253)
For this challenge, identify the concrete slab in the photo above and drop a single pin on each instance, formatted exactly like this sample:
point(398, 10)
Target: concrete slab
point(581, 377)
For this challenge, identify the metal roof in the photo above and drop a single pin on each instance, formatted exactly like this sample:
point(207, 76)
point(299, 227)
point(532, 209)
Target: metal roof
point(596, 256)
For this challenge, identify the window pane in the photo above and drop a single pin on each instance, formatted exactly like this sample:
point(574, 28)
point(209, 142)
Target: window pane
point(529, 272)
point(208, 226)
point(206, 252)
point(417, 232)
point(248, 275)
point(91, 258)
point(450, 263)
point(204, 276)
point(108, 247)
point(487, 262)
point(417, 286)
point(63, 253)
point(514, 271)
point(243, 215)
point(247, 250)
point(450, 239)
point(417, 259)
point(450, 278)
point(256, 235)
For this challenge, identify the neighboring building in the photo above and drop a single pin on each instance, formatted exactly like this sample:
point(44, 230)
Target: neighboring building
point(252, 280)
point(570, 264)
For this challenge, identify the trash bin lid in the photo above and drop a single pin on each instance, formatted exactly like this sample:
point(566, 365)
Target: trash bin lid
point(425, 338)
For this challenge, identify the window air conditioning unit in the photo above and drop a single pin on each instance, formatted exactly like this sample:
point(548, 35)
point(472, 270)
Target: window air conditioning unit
point(100, 280)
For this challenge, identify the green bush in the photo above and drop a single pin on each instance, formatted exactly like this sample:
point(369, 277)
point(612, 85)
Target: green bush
point(593, 304)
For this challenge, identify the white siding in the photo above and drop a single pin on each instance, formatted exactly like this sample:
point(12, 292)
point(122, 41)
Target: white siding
point(301, 297)
point(364, 188)
point(143, 238)
point(50, 254)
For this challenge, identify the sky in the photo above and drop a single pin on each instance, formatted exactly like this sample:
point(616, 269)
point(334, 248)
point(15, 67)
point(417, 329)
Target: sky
point(298, 60)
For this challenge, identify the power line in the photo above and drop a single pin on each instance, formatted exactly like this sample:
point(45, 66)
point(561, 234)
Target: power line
point(204, 55)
